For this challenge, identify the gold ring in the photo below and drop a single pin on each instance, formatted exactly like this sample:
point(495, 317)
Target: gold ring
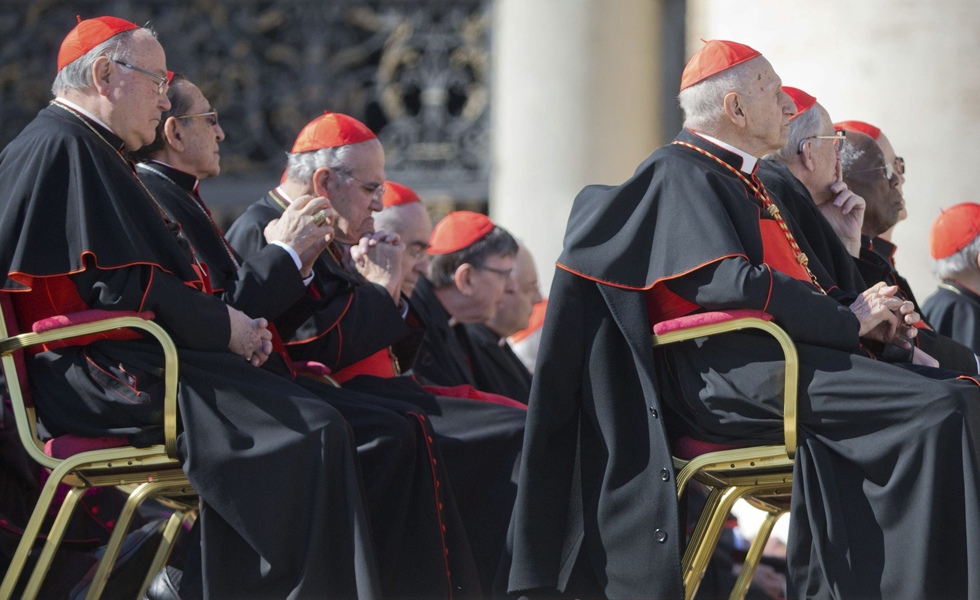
point(319, 218)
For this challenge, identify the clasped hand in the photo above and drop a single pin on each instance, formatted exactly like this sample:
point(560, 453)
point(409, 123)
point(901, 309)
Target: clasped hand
point(378, 258)
point(298, 229)
point(250, 338)
point(884, 317)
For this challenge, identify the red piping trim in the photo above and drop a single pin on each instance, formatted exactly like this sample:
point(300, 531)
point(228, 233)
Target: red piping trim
point(652, 285)
point(26, 279)
point(108, 374)
point(770, 288)
point(970, 378)
point(350, 301)
point(147, 292)
point(435, 479)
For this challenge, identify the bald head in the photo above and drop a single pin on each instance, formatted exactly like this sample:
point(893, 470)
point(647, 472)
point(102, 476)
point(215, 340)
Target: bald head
point(867, 174)
point(514, 313)
point(412, 223)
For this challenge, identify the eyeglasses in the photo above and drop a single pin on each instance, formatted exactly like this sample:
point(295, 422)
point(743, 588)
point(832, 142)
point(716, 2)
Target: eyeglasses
point(838, 138)
point(164, 84)
point(377, 190)
point(505, 272)
point(212, 117)
point(888, 168)
point(900, 165)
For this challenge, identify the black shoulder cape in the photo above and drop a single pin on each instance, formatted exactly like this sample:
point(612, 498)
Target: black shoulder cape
point(102, 209)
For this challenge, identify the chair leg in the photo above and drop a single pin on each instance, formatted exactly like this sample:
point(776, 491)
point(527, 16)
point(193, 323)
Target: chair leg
point(51, 545)
point(697, 536)
point(144, 491)
point(170, 533)
point(712, 531)
point(33, 528)
point(754, 556)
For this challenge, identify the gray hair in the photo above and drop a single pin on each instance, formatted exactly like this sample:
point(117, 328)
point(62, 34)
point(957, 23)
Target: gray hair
point(849, 155)
point(807, 124)
point(77, 75)
point(703, 103)
point(302, 165)
point(962, 263)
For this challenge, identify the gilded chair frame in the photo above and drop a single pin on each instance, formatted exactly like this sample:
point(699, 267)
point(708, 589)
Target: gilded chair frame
point(155, 470)
point(762, 475)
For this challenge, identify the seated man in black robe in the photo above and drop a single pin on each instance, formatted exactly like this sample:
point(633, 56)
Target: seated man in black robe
point(403, 488)
point(496, 367)
point(405, 215)
point(282, 513)
point(954, 243)
point(886, 453)
point(358, 323)
point(806, 177)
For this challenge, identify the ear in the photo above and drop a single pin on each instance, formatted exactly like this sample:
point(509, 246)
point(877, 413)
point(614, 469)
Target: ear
point(321, 178)
point(464, 279)
point(171, 134)
point(735, 109)
point(100, 75)
point(806, 158)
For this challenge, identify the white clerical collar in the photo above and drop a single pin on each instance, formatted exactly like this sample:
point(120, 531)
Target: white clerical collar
point(748, 161)
point(78, 108)
point(283, 195)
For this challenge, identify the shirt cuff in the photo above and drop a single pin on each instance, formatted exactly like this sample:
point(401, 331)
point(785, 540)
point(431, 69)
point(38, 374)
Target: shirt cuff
point(296, 260)
point(405, 315)
point(977, 358)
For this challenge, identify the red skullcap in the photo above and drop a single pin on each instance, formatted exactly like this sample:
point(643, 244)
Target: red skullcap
point(397, 194)
point(330, 130)
point(537, 320)
point(459, 230)
point(954, 229)
point(715, 57)
point(87, 35)
point(802, 100)
point(859, 126)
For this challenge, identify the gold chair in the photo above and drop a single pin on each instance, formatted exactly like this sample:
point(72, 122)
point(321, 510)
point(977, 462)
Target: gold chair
point(761, 475)
point(155, 471)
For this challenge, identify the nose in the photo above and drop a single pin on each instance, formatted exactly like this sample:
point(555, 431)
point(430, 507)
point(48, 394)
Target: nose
point(511, 286)
point(219, 133)
point(538, 298)
point(421, 265)
point(377, 203)
point(163, 103)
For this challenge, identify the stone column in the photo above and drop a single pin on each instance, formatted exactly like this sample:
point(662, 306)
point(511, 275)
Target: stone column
point(908, 67)
point(576, 101)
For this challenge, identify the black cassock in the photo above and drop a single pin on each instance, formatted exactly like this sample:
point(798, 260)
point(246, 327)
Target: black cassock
point(954, 310)
point(886, 482)
point(495, 366)
point(835, 267)
point(402, 486)
point(356, 327)
point(444, 358)
point(282, 510)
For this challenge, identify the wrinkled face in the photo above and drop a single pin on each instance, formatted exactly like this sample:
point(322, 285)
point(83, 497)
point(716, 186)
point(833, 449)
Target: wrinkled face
point(136, 103)
point(489, 285)
point(869, 180)
point(356, 195)
point(823, 154)
point(891, 157)
point(515, 310)
point(415, 228)
point(767, 108)
point(199, 137)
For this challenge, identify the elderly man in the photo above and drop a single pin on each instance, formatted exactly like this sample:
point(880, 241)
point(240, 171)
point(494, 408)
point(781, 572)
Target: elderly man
point(954, 244)
point(402, 487)
point(406, 216)
point(807, 178)
point(495, 366)
point(367, 332)
point(694, 229)
point(81, 232)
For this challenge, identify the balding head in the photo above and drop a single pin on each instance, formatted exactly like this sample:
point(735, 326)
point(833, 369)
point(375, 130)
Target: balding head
point(743, 105)
point(514, 313)
point(868, 175)
point(811, 159)
point(412, 223)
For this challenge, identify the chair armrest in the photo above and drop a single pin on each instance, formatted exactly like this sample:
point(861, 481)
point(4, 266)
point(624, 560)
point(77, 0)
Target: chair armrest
point(56, 328)
point(724, 321)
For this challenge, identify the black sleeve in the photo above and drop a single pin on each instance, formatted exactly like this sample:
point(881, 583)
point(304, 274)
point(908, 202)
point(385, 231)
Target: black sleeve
point(951, 354)
point(806, 314)
point(268, 284)
point(407, 349)
point(194, 320)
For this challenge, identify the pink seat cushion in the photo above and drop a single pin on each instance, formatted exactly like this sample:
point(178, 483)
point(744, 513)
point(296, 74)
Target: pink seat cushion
point(66, 446)
point(688, 448)
point(86, 316)
point(708, 318)
point(309, 366)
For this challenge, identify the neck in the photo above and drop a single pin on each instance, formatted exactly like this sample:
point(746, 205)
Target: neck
point(819, 195)
point(736, 138)
point(93, 103)
point(970, 281)
point(294, 190)
point(870, 232)
point(171, 158)
point(887, 236)
point(457, 305)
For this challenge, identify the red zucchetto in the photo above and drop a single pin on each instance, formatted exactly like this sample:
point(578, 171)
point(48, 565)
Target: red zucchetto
point(803, 100)
point(87, 35)
point(954, 229)
point(859, 126)
point(397, 194)
point(715, 57)
point(330, 130)
point(459, 230)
